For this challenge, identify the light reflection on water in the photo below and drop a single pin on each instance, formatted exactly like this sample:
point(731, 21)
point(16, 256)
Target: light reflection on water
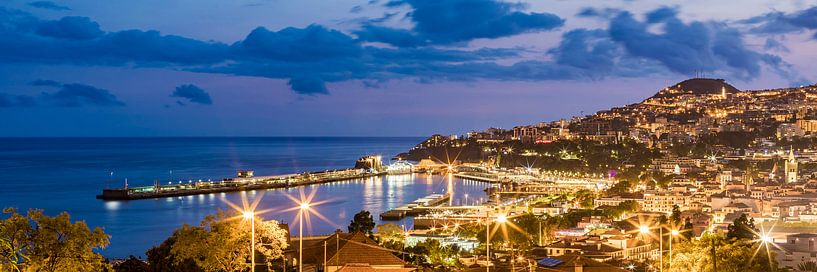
point(135, 226)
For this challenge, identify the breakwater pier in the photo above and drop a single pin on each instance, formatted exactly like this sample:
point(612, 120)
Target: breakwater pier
point(243, 182)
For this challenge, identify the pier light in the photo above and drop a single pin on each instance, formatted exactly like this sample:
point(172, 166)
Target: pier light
point(305, 206)
point(501, 218)
point(248, 214)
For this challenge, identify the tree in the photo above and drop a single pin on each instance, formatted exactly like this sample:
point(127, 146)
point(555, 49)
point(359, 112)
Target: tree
point(390, 232)
point(38, 242)
point(161, 260)
point(14, 237)
point(431, 253)
point(362, 222)
point(688, 230)
point(731, 255)
point(742, 228)
point(675, 217)
point(221, 243)
point(132, 264)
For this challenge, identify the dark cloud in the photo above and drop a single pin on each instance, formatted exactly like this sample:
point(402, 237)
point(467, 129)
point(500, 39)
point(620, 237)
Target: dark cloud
point(308, 85)
point(76, 95)
point(688, 47)
point(393, 36)
point(598, 12)
point(589, 50)
point(445, 22)
point(71, 28)
point(48, 5)
point(312, 43)
point(193, 94)
point(661, 14)
point(782, 23)
point(9, 101)
point(311, 57)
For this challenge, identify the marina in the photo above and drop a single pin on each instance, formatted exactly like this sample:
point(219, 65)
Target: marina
point(416, 207)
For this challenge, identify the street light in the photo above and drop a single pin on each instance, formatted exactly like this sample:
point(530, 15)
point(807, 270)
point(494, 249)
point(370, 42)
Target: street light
point(673, 233)
point(304, 208)
point(645, 230)
point(251, 216)
point(500, 219)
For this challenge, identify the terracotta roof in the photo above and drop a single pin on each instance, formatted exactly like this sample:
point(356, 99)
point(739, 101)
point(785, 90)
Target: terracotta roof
point(358, 267)
point(349, 248)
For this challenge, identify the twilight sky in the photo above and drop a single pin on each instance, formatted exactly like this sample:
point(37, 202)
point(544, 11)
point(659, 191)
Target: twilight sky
point(372, 67)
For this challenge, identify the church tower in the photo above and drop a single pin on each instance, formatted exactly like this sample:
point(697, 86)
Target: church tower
point(791, 167)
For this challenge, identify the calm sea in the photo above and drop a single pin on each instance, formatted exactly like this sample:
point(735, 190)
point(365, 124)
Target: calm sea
point(64, 174)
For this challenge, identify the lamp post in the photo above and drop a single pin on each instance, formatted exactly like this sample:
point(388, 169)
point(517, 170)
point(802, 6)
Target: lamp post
point(304, 208)
point(251, 215)
point(487, 241)
point(644, 230)
point(673, 233)
point(500, 219)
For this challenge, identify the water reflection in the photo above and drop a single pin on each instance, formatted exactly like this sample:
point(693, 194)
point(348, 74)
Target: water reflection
point(135, 226)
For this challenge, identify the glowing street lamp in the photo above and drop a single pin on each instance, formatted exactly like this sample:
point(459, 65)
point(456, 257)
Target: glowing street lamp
point(673, 233)
point(304, 208)
point(645, 230)
point(251, 216)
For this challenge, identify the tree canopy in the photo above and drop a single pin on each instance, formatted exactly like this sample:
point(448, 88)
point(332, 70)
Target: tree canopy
point(362, 222)
point(742, 228)
point(38, 242)
point(220, 243)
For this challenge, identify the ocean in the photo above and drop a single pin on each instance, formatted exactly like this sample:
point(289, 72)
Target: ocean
point(65, 174)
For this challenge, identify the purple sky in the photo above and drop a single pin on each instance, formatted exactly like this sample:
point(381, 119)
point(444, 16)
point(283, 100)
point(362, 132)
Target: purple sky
point(372, 68)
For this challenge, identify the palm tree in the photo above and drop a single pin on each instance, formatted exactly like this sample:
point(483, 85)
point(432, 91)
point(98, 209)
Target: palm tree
point(809, 266)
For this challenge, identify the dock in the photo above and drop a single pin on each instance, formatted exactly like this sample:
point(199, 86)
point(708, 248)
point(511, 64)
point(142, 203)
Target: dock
point(417, 207)
point(242, 182)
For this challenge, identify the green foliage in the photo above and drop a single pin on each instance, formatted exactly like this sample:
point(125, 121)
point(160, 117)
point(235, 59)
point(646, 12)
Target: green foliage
point(54, 244)
point(675, 216)
point(430, 253)
point(742, 228)
point(362, 222)
point(731, 256)
point(14, 237)
point(221, 243)
point(585, 198)
point(622, 208)
point(390, 232)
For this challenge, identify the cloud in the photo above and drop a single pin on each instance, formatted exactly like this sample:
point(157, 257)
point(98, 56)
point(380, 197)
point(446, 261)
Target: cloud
point(446, 22)
point(312, 57)
point(688, 47)
point(70, 28)
point(76, 95)
point(308, 85)
point(193, 94)
point(661, 14)
point(9, 101)
point(783, 23)
point(313, 43)
point(48, 5)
